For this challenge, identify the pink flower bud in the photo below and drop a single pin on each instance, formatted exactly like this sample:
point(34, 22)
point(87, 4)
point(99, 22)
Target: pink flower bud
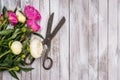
point(32, 13)
point(12, 17)
point(33, 25)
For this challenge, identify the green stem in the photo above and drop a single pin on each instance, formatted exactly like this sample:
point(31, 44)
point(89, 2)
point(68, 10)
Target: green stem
point(5, 54)
point(38, 35)
point(3, 23)
point(22, 25)
point(4, 68)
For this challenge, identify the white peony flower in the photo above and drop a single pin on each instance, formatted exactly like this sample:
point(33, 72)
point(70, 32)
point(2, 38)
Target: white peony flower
point(16, 47)
point(36, 48)
point(21, 18)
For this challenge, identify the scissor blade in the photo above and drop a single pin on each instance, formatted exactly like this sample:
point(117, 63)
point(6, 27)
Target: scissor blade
point(60, 24)
point(49, 25)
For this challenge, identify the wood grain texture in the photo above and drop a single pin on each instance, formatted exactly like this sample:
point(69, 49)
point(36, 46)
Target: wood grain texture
point(118, 24)
point(55, 47)
point(103, 40)
point(79, 39)
point(112, 41)
point(93, 39)
point(74, 40)
point(64, 41)
point(84, 39)
point(88, 45)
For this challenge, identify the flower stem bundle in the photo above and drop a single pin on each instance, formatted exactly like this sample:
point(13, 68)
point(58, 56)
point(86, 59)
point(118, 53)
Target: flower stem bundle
point(16, 42)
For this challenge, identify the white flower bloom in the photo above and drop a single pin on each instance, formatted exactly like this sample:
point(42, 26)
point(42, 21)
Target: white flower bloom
point(36, 48)
point(16, 47)
point(21, 18)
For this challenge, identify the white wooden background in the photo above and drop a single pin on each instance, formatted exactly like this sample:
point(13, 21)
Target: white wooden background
point(88, 45)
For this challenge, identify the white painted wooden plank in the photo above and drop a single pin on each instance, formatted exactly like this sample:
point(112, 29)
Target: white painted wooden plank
point(93, 39)
point(6, 76)
point(1, 74)
point(64, 41)
point(112, 34)
point(44, 9)
point(35, 74)
point(84, 39)
point(10, 5)
point(23, 3)
point(55, 46)
point(103, 49)
point(74, 41)
point(79, 39)
point(118, 39)
point(26, 76)
point(0, 7)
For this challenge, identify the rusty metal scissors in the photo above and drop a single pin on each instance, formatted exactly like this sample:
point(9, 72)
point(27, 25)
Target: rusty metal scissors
point(47, 41)
point(49, 37)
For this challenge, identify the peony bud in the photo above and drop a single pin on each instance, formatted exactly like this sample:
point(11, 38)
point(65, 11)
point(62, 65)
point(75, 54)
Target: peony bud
point(12, 17)
point(23, 56)
point(16, 47)
point(16, 68)
point(36, 48)
point(20, 16)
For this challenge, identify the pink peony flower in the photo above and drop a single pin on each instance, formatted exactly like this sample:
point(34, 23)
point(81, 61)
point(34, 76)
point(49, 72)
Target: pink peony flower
point(33, 25)
point(12, 17)
point(32, 13)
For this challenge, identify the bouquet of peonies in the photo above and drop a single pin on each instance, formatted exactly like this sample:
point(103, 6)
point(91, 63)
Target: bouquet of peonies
point(16, 28)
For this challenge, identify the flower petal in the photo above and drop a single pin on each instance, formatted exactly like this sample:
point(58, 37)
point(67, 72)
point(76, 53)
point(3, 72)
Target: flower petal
point(36, 48)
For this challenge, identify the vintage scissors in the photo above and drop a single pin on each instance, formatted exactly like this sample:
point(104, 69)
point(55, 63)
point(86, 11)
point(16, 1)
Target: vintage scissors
point(47, 41)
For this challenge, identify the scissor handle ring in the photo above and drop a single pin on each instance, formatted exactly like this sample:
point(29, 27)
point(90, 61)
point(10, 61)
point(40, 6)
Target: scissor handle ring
point(31, 61)
point(51, 63)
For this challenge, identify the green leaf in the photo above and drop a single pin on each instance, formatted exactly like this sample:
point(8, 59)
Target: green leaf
point(4, 10)
point(3, 68)
point(25, 44)
point(38, 35)
point(4, 43)
point(8, 60)
point(5, 53)
point(22, 63)
point(13, 74)
point(15, 10)
point(15, 34)
point(26, 69)
point(6, 32)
